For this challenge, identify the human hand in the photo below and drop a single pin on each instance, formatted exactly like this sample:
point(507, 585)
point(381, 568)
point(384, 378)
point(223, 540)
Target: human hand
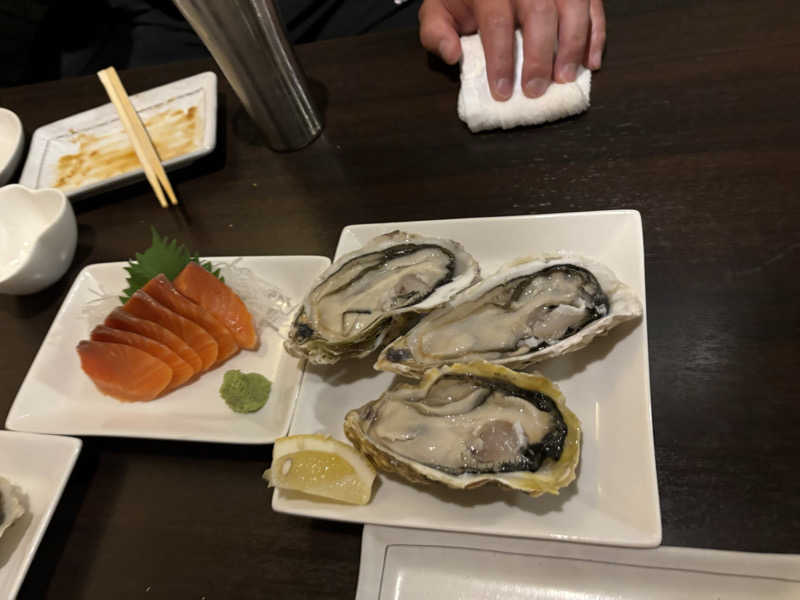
point(578, 27)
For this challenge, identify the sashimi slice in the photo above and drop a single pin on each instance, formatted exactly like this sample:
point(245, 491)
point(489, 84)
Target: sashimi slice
point(120, 319)
point(161, 289)
point(142, 305)
point(221, 301)
point(124, 372)
point(181, 370)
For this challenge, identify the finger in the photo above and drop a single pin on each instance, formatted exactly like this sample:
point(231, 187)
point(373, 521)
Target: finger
point(597, 36)
point(496, 24)
point(573, 31)
point(463, 14)
point(437, 31)
point(539, 22)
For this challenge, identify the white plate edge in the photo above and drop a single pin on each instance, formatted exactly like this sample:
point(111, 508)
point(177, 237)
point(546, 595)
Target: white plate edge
point(657, 532)
point(641, 541)
point(75, 445)
point(353, 228)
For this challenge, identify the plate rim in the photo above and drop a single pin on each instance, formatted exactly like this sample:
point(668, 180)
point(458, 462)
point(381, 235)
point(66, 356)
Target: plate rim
point(12, 421)
point(74, 445)
point(496, 218)
point(377, 539)
point(649, 538)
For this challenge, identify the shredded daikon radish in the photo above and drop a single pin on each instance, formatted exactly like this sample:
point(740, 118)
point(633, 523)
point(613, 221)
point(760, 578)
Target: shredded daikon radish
point(267, 304)
point(95, 311)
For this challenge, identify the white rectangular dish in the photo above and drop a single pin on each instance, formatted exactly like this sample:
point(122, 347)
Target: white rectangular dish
point(90, 151)
point(57, 396)
point(615, 498)
point(405, 564)
point(38, 466)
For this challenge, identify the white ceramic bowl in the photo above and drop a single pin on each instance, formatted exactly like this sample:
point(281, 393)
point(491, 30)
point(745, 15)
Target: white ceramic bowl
point(38, 235)
point(12, 140)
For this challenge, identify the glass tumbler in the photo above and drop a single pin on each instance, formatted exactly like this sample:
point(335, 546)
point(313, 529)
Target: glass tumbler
point(248, 41)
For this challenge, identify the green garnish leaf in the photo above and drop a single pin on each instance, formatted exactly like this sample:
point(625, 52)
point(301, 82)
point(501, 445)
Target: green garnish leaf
point(163, 256)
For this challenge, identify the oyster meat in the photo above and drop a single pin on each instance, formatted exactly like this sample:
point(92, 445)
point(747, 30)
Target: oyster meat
point(10, 507)
point(467, 425)
point(529, 311)
point(375, 293)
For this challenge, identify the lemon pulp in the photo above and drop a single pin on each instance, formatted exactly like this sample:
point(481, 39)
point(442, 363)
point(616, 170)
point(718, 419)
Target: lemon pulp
point(321, 466)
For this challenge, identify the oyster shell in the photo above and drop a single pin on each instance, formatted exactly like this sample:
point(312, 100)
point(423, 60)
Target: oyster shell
point(375, 293)
point(467, 425)
point(10, 508)
point(529, 311)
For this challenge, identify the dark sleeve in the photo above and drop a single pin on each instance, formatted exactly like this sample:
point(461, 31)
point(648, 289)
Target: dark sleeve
point(310, 20)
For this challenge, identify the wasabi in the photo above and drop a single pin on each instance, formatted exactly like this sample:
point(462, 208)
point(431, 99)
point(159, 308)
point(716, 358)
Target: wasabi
point(244, 392)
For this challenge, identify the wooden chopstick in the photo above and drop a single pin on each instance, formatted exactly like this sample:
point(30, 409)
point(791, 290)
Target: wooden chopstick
point(142, 144)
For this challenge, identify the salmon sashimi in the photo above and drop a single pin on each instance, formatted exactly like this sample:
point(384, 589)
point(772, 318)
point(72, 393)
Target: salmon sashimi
point(120, 319)
point(221, 301)
point(143, 305)
point(161, 289)
point(181, 370)
point(124, 372)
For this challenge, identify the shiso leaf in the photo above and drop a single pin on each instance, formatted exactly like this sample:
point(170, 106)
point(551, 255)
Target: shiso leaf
point(163, 256)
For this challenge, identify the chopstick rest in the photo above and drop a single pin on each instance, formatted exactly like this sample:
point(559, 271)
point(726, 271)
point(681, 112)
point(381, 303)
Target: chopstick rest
point(140, 139)
point(480, 111)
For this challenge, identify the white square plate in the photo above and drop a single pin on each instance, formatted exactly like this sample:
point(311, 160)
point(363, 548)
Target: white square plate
point(406, 564)
point(615, 497)
point(39, 466)
point(57, 396)
point(184, 117)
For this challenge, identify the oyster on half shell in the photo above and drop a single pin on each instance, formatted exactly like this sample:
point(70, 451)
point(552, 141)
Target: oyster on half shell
point(376, 292)
point(10, 507)
point(527, 312)
point(467, 425)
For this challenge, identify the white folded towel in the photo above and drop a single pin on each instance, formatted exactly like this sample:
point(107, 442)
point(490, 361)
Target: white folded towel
point(480, 111)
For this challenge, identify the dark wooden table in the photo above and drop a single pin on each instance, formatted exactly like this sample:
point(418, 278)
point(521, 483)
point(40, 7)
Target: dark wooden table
point(694, 123)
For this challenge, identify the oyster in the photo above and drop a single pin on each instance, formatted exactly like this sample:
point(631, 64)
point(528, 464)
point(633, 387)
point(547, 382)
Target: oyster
point(529, 311)
point(10, 508)
point(467, 425)
point(375, 293)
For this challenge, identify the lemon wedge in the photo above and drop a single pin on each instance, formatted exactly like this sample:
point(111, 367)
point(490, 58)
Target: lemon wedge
point(321, 466)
